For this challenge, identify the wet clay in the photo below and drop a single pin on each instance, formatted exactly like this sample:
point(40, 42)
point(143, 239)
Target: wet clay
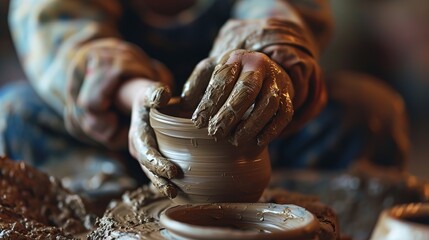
point(240, 221)
point(17, 226)
point(137, 215)
point(211, 171)
point(38, 204)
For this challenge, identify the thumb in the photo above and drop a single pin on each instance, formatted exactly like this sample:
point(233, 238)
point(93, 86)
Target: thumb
point(156, 95)
point(144, 93)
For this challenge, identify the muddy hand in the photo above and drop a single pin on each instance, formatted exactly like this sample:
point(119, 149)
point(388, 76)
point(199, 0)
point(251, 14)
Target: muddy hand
point(306, 76)
point(97, 71)
point(142, 141)
point(242, 80)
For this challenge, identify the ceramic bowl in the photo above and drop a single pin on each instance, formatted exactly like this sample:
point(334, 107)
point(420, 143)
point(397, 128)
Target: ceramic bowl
point(212, 171)
point(410, 221)
point(239, 221)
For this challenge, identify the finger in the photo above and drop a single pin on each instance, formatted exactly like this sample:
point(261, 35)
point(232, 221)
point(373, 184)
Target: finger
point(105, 73)
point(312, 106)
point(218, 90)
point(72, 123)
point(164, 186)
point(265, 107)
point(298, 64)
point(197, 83)
point(143, 145)
point(101, 126)
point(242, 97)
point(153, 94)
point(105, 128)
point(279, 122)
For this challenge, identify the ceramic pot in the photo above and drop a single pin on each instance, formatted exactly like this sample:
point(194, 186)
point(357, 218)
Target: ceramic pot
point(239, 221)
point(212, 171)
point(410, 221)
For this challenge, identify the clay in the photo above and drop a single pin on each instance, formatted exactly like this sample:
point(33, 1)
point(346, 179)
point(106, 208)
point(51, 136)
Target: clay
point(328, 222)
point(409, 221)
point(17, 226)
point(211, 171)
point(137, 215)
point(39, 200)
point(239, 221)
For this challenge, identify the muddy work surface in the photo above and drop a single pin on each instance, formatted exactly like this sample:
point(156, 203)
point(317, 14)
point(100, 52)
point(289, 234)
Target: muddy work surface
point(34, 205)
point(137, 215)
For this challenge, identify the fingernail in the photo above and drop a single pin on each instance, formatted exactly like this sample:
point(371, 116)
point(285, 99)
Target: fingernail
point(171, 171)
point(160, 97)
point(198, 120)
point(170, 191)
point(233, 141)
point(214, 131)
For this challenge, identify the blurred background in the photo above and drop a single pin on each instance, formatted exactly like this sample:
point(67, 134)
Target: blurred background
point(387, 39)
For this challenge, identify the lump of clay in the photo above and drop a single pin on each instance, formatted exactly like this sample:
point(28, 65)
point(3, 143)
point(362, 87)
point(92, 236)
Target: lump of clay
point(38, 204)
point(135, 217)
point(17, 226)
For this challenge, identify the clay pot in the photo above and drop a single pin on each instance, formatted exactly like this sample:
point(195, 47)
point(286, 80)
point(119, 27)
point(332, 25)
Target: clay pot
point(410, 221)
point(239, 221)
point(212, 171)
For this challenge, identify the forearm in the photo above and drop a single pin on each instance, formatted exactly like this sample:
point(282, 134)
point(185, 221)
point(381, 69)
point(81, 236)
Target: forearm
point(47, 34)
point(311, 15)
point(279, 29)
point(256, 9)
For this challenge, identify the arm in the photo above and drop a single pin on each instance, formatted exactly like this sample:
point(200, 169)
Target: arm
point(314, 14)
point(47, 34)
point(271, 39)
point(309, 23)
point(75, 59)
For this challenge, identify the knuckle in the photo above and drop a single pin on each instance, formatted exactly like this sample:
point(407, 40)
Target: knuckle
point(204, 64)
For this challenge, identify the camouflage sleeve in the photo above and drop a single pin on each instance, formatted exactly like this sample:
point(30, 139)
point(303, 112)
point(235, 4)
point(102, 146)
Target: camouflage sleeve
point(47, 33)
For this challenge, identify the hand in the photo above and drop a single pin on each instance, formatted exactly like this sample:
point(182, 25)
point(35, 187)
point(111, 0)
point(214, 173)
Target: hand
point(292, 48)
point(241, 80)
point(141, 137)
point(98, 69)
point(279, 44)
point(304, 71)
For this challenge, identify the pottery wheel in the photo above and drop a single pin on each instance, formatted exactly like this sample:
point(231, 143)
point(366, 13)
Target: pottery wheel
point(34, 205)
point(137, 215)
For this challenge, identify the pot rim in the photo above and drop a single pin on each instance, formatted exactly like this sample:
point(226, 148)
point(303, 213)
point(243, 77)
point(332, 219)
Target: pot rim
point(306, 230)
point(176, 126)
